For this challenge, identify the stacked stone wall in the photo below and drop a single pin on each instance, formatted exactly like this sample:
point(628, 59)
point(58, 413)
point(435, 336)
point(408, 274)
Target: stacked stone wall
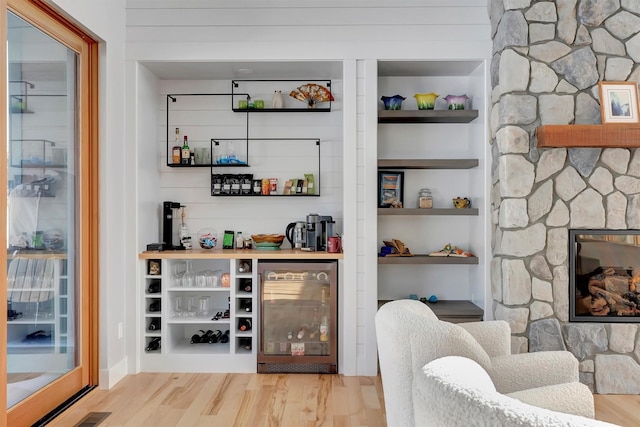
point(548, 59)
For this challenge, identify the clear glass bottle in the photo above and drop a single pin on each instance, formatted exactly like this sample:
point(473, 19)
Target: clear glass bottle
point(239, 240)
point(425, 200)
point(185, 236)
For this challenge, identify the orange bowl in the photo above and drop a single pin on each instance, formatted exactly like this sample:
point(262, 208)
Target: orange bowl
point(268, 238)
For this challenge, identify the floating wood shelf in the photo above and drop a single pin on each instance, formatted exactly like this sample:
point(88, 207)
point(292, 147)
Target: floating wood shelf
point(426, 259)
point(454, 311)
point(427, 163)
point(426, 116)
point(590, 136)
point(433, 211)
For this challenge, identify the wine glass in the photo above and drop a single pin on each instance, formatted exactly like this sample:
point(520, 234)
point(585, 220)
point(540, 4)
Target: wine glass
point(203, 306)
point(189, 277)
point(176, 277)
point(178, 306)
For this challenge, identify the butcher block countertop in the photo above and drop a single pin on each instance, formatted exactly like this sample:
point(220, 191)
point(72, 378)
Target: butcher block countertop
point(238, 254)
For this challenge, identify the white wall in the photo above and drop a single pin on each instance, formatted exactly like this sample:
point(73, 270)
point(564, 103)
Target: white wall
point(105, 19)
point(203, 30)
point(351, 30)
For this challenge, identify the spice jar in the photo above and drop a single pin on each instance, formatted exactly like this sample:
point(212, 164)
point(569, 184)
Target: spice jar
point(425, 201)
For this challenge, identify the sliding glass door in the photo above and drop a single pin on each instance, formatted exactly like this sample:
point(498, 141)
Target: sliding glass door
point(50, 234)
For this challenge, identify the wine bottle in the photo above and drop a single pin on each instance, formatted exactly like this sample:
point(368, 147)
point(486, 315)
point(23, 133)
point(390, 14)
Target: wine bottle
point(245, 342)
point(186, 152)
point(198, 337)
point(324, 329)
point(245, 304)
point(244, 324)
point(225, 337)
point(246, 285)
point(302, 331)
point(154, 324)
point(315, 325)
point(154, 287)
point(154, 306)
point(154, 344)
point(213, 337)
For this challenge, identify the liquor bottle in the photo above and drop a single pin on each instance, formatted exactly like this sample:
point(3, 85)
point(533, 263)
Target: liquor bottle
point(154, 287)
point(198, 337)
point(225, 337)
point(154, 344)
point(154, 306)
point(244, 324)
point(302, 331)
point(154, 324)
point(176, 151)
point(186, 152)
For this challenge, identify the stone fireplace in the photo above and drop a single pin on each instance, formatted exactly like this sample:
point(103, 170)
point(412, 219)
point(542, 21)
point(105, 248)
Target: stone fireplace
point(548, 59)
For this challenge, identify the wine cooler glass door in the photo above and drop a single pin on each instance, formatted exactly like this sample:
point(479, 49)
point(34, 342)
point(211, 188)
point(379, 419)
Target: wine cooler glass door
point(298, 317)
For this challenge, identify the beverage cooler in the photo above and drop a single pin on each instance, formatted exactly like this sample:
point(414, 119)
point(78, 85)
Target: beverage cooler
point(298, 317)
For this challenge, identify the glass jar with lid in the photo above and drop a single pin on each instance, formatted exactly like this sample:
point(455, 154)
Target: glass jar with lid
point(425, 200)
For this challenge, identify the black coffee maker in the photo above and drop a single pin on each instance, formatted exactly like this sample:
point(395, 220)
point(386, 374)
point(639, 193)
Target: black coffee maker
point(319, 229)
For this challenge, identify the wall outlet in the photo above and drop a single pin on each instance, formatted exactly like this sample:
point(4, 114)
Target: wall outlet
point(120, 330)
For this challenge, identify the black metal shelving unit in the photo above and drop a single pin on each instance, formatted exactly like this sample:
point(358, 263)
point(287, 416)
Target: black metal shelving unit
point(216, 141)
point(172, 98)
point(235, 96)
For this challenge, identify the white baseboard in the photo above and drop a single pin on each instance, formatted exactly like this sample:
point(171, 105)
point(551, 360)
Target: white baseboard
point(110, 377)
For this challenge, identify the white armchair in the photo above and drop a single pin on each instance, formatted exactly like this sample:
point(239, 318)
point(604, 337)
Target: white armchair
point(456, 391)
point(409, 335)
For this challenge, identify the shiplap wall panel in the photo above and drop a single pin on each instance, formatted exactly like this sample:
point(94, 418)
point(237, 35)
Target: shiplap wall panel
point(289, 4)
point(444, 32)
point(205, 117)
point(314, 18)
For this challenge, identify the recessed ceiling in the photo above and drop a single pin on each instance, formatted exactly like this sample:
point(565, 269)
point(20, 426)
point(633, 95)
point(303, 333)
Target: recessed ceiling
point(189, 70)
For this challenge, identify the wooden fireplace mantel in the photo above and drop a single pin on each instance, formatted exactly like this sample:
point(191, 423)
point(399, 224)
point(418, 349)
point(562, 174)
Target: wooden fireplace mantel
point(591, 136)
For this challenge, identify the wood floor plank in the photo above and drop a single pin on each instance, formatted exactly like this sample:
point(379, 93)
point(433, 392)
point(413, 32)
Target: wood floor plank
point(623, 410)
point(264, 400)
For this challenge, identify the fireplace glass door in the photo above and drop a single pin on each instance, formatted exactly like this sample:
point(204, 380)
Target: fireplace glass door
point(604, 271)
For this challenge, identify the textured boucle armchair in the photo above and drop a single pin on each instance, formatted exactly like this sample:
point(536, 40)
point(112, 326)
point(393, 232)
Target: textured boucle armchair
point(456, 391)
point(409, 335)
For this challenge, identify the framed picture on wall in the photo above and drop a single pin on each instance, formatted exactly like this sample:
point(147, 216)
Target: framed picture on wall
point(619, 102)
point(390, 189)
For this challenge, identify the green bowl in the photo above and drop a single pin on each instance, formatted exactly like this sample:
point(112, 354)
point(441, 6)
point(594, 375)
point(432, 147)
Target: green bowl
point(268, 246)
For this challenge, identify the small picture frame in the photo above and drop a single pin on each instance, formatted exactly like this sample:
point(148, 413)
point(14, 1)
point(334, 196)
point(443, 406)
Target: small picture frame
point(619, 102)
point(390, 189)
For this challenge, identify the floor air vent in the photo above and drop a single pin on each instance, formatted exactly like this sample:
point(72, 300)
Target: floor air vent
point(93, 419)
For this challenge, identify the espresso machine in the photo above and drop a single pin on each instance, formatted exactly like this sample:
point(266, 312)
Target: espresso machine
point(319, 229)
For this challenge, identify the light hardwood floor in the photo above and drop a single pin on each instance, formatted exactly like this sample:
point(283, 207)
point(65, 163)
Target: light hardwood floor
point(256, 400)
point(242, 400)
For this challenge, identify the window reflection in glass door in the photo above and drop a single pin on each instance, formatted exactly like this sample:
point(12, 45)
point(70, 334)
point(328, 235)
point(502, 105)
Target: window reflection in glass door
point(41, 209)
